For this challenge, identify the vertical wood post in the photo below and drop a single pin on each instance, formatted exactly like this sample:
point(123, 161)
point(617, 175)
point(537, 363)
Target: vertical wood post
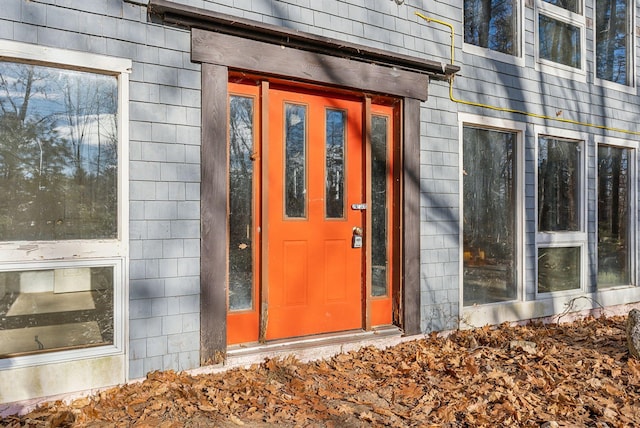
point(411, 217)
point(213, 209)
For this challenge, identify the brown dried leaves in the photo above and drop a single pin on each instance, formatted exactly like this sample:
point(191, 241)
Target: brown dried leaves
point(567, 375)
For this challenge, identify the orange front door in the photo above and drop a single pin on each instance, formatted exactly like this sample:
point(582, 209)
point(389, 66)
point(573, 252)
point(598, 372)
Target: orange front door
point(314, 274)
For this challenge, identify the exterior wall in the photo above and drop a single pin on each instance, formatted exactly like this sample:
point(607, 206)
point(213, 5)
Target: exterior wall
point(164, 168)
point(526, 86)
point(164, 202)
point(164, 147)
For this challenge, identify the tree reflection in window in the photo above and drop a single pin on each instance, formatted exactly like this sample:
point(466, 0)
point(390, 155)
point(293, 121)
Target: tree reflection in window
point(295, 161)
point(559, 42)
point(613, 40)
point(58, 153)
point(334, 163)
point(558, 184)
point(574, 6)
point(379, 205)
point(492, 24)
point(489, 255)
point(558, 269)
point(241, 171)
point(613, 216)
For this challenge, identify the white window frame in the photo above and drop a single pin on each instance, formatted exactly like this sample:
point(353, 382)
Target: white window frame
point(564, 16)
point(563, 239)
point(38, 255)
point(476, 121)
point(633, 205)
point(518, 60)
point(630, 87)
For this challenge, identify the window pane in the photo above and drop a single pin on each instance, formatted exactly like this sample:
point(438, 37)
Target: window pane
point(58, 154)
point(241, 131)
point(558, 185)
point(574, 6)
point(492, 24)
point(295, 160)
point(613, 40)
point(559, 42)
point(613, 216)
point(489, 257)
point(334, 162)
point(45, 310)
point(379, 205)
point(558, 269)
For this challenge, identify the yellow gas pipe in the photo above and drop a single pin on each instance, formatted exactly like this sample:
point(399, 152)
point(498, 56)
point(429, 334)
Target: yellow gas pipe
point(510, 110)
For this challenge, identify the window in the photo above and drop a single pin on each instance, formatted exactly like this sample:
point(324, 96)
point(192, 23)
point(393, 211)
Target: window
point(558, 185)
point(295, 161)
point(241, 196)
point(558, 269)
point(614, 41)
point(489, 215)
point(57, 308)
point(560, 33)
point(380, 192)
point(59, 160)
point(492, 24)
point(614, 244)
point(335, 124)
point(561, 237)
point(62, 183)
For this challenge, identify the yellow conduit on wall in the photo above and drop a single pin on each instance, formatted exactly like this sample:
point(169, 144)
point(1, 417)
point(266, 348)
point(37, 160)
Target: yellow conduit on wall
point(510, 110)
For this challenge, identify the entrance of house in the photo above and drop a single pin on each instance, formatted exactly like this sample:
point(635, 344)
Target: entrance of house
point(311, 223)
point(315, 175)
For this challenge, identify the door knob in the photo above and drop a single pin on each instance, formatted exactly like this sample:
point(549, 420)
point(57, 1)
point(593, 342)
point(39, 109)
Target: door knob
point(356, 240)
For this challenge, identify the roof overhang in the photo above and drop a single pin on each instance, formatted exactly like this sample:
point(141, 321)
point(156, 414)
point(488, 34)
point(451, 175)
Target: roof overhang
point(193, 17)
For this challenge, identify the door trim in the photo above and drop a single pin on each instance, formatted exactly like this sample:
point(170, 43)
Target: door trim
point(264, 235)
point(214, 213)
point(366, 301)
point(409, 295)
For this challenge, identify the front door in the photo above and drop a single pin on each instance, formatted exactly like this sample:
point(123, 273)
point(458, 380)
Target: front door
point(313, 221)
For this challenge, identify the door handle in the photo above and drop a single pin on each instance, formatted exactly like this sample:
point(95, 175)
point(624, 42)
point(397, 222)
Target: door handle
point(356, 240)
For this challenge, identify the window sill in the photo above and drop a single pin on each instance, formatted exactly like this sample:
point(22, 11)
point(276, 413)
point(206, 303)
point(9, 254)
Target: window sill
point(552, 307)
point(493, 55)
point(619, 87)
point(65, 377)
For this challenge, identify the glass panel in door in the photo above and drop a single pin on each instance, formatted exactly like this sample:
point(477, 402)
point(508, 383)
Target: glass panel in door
point(334, 160)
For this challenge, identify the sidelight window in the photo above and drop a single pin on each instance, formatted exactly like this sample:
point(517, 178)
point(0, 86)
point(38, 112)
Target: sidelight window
point(241, 197)
point(380, 170)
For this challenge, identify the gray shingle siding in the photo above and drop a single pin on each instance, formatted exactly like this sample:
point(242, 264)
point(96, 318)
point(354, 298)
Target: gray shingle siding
point(164, 145)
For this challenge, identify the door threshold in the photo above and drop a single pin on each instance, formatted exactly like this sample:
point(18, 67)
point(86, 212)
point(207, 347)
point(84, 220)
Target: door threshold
point(311, 348)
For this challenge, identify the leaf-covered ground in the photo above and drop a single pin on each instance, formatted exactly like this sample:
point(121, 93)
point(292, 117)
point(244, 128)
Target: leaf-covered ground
point(577, 374)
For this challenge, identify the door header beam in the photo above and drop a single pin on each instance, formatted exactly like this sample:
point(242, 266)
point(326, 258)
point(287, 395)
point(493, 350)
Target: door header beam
point(193, 17)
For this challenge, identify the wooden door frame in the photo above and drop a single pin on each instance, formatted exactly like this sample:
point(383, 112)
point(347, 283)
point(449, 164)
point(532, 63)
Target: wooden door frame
point(222, 43)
